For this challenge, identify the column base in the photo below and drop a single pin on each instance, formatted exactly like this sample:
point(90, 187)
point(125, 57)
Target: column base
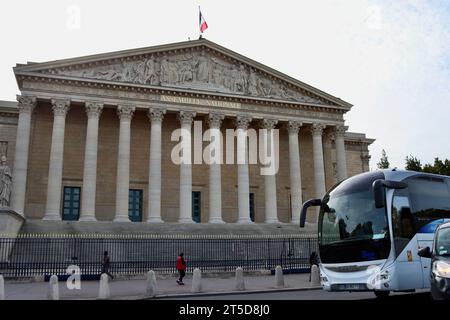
point(154, 220)
point(216, 220)
point(271, 221)
point(88, 218)
point(122, 219)
point(186, 220)
point(245, 221)
point(52, 217)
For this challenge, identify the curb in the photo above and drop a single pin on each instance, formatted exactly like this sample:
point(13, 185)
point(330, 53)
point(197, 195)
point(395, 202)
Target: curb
point(223, 293)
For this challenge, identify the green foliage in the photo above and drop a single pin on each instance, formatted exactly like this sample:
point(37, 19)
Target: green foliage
point(412, 163)
point(384, 162)
point(438, 167)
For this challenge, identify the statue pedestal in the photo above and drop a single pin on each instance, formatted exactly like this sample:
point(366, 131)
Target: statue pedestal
point(10, 224)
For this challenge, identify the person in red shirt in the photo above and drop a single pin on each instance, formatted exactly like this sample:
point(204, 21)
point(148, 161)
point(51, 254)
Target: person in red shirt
point(181, 267)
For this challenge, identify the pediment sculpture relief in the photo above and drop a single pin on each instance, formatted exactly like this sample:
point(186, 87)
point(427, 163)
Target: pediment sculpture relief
point(195, 70)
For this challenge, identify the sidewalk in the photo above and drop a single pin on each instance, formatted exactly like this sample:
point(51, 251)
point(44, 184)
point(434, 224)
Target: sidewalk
point(135, 289)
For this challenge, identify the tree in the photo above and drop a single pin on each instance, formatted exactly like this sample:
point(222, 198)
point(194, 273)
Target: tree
point(384, 162)
point(439, 167)
point(412, 163)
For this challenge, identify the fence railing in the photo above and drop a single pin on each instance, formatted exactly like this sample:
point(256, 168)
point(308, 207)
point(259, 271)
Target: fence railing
point(41, 255)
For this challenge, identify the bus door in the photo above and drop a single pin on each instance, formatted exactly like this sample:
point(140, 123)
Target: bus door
point(408, 264)
point(425, 240)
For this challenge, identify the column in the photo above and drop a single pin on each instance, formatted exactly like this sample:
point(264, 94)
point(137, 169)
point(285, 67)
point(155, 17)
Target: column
point(19, 185)
point(52, 210)
point(125, 113)
point(319, 170)
point(156, 117)
point(215, 177)
point(341, 160)
point(242, 122)
point(295, 170)
point(93, 111)
point(270, 185)
point(186, 118)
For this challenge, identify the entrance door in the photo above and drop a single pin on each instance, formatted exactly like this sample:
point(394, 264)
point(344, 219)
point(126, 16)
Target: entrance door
point(196, 206)
point(252, 207)
point(71, 206)
point(135, 205)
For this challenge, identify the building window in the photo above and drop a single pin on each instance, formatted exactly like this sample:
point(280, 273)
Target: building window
point(135, 205)
point(196, 206)
point(71, 208)
point(252, 207)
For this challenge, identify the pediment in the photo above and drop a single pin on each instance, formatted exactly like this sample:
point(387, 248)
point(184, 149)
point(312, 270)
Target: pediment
point(200, 66)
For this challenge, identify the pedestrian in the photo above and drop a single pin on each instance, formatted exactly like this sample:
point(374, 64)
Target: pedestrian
point(105, 264)
point(313, 260)
point(181, 267)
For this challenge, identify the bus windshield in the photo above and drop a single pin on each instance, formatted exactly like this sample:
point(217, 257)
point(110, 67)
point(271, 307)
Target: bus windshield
point(351, 229)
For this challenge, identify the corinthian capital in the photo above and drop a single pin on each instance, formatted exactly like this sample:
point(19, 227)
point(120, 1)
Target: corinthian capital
point(26, 103)
point(60, 107)
point(94, 109)
point(186, 117)
point(156, 114)
point(340, 130)
point(215, 120)
point(317, 129)
point(125, 112)
point(242, 121)
point(269, 124)
point(293, 126)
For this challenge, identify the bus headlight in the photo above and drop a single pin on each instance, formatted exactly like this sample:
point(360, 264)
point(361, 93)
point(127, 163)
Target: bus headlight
point(441, 269)
point(383, 276)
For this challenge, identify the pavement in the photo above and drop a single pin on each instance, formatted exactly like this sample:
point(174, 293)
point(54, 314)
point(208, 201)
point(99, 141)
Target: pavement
point(167, 287)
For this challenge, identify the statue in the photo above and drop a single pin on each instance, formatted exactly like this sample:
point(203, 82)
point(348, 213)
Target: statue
point(5, 183)
point(204, 68)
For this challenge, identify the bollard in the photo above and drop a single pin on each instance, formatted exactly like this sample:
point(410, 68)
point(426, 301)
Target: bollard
point(151, 284)
point(53, 288)
point(279, 278)
point(315, 275)
point(197, 281)
point(103, 291)
point(240, 283)
point(2, 288)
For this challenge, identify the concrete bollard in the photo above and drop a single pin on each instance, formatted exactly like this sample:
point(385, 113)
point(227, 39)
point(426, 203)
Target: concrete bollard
point(53, 288)
point(151, 284)
point(240, 283)
point(2, 288)
point(279, 278)
point(103, 291)
point(197, 281)
point(315, 275)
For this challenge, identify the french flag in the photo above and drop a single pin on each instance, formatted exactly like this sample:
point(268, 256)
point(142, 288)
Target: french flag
point(202, 22)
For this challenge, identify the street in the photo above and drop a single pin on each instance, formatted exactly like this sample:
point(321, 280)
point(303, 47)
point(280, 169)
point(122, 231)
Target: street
point(310, 295)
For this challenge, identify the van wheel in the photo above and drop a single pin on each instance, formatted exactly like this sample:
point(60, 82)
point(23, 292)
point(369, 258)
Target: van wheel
point(382, 294)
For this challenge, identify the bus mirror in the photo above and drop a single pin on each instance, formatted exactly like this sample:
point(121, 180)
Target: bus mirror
point(424, 252)
point(378, 193)
point(306, 205)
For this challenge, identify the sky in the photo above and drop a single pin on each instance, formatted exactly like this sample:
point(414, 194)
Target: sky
point(390, 59)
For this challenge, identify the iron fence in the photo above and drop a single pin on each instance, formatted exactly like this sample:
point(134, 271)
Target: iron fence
point(43, 255)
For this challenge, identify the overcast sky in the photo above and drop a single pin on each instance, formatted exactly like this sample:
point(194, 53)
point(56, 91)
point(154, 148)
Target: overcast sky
point(390, 59)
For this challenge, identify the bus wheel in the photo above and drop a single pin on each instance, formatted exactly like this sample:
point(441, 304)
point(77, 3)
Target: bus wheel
point(381, 294)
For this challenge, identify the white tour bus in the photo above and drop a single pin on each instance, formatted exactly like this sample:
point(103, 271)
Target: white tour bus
point(371, 227)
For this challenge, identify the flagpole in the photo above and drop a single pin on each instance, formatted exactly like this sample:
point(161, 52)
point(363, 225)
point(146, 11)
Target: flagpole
point(199, 17)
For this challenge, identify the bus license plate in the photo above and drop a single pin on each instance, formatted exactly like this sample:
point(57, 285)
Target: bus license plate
point(353, 286)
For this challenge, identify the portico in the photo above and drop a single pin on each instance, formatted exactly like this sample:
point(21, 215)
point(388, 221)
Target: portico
point(102, 126)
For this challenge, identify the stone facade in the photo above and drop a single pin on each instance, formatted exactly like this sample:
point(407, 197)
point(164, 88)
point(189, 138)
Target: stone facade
point(199, 77)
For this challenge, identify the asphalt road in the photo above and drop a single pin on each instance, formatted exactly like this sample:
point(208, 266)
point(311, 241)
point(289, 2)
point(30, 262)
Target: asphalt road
point(310, 295)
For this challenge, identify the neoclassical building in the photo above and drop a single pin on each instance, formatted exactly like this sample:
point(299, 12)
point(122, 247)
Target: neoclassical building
point(89, 138)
